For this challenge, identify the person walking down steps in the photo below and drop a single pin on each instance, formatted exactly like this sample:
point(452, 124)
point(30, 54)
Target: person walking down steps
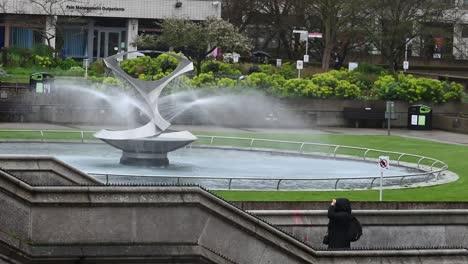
point(339, 214)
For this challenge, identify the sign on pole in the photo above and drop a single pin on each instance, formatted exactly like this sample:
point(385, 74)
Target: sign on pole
point(299, 67)
point(306, 58)
point(384, 163)
point(86, 65)
point(278, 62)
point(405, 65)
point(315, 35)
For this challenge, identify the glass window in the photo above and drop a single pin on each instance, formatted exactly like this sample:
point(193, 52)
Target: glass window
point(75, 42)
point(21, 37)
point(465, 31)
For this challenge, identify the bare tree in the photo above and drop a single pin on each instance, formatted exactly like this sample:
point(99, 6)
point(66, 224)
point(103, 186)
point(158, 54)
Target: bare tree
point(342, 23)
point(240, 13)
point(397, 22)
point(280, 18)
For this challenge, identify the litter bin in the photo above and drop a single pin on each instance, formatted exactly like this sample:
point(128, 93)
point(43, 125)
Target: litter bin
point(420, 117)
point(41, 82)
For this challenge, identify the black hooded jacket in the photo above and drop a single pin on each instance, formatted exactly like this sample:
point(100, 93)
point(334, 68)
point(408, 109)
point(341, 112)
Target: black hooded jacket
point(340, 219)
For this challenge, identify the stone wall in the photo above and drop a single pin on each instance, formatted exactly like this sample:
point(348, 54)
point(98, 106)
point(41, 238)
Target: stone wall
point(242, 111)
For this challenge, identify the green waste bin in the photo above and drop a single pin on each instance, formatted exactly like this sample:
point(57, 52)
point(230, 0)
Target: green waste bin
point(41, 82)
point(420, 117)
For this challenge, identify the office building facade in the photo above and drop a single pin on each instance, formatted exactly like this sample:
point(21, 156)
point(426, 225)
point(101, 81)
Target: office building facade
point(92, 29)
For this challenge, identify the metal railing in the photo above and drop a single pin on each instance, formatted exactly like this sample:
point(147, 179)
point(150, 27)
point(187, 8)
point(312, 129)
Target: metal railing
point(426, 167)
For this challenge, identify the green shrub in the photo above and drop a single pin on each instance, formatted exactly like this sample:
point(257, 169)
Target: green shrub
point(44, 62)
point(43, 50)
point(325, 79)
point(347, 90)
point(411, 89)
point(68, 63)
point(227, 82)
point(287, 70)
point(149, 67)
point(75, 71)
point(370, 69)
point(203, 80)
point(219, 68)
point(97, 68)
point(19, 56)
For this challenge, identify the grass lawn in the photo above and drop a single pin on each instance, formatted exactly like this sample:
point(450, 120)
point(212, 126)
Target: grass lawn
point(456, 156)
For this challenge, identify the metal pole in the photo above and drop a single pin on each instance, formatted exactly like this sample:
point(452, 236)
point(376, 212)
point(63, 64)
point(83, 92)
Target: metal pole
point(406, 52)
point(388, 123)
point(298, 73)
point(380, 192)
point(307, 45)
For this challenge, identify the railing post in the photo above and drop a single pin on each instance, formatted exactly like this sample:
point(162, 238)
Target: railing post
point(302, 146)
point(251, 142)
point(278, 185)
point(42, 135)
point(334, 151)
point(82, 136)
point(230, 182)
point(107, 179)
point(365, 154)
point(211, 142)
point(401, 180)
point(336, 183)
point(419, 162)
point(401, 156)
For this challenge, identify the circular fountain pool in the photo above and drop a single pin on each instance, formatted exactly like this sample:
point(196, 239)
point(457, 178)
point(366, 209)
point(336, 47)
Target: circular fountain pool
point(214, 168)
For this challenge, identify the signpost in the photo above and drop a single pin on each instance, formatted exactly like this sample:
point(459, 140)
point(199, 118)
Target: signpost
point(389, 114)
point(86, 65)
point(278, 62)
point(299, 67)
point(304, 36)
point(384, 163)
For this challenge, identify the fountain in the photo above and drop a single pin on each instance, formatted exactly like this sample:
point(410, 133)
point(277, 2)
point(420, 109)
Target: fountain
point(150, 143)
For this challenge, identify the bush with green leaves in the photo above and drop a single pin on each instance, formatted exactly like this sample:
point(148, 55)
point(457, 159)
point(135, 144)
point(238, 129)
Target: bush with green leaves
point(271, 84)
point(97, 68)
point(203, 80)
point(347, 90)
point(75, 71)
point(411, 89)
point(219, 68)
point(44, 62)
point(287, 70)
point(146, 68)
point(67, 63)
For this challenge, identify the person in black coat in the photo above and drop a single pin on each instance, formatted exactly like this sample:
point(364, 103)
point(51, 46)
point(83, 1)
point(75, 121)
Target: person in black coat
point(339, 213)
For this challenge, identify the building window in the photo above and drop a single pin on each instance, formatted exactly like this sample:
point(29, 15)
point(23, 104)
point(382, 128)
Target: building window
point(75, 42)
point(21, 37)
point(465, 31)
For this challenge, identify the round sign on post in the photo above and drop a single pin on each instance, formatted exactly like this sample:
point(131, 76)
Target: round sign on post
point(384, 163)
point(300, 65)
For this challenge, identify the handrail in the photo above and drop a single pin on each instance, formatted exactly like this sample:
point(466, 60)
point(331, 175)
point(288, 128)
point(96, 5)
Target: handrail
point(434, 171)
